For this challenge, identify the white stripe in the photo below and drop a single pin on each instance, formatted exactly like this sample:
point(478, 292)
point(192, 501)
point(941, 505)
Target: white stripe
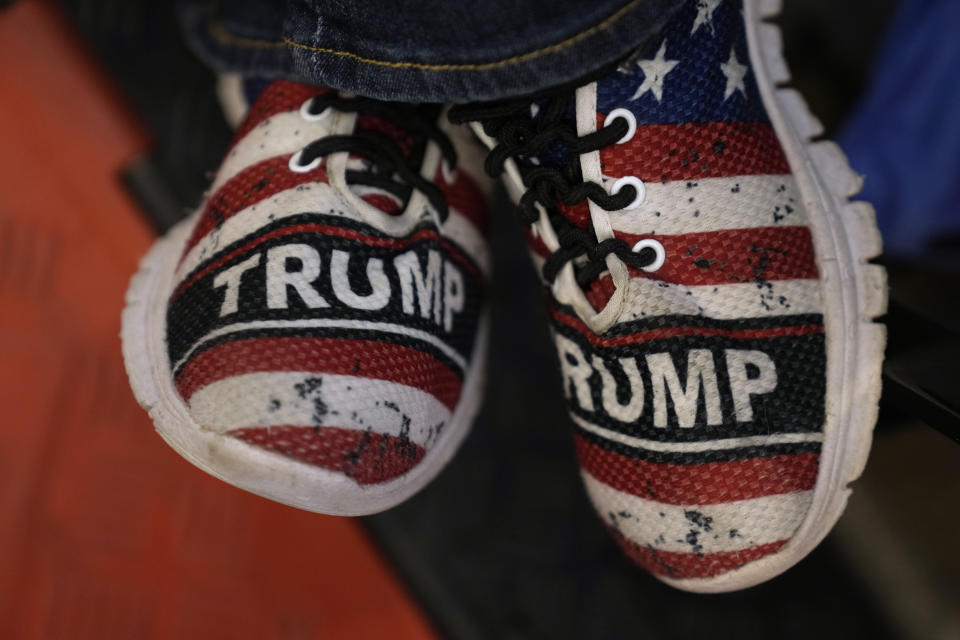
point(697, 447)
point(703, 529)
point(717, 203)
point(647, 298)
point(316, 197)
point(291, 398)
point(282, 134)
point(328, 323)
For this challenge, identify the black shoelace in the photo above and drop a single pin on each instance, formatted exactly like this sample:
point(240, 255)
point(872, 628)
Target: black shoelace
point(391, 170)
point(519, 134)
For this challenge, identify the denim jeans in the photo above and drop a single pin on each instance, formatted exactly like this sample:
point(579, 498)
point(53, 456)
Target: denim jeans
point(422, 50)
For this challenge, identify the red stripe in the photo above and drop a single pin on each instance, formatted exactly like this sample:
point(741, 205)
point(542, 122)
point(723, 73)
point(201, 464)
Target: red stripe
point(673, 332)
point(600, 291)
point(335, 356)
point(277, 97)
point(252, 185)
point(708, 483)
point(679, 565)
point(729, 256)
point(690, 151)
point(364, 456)
point(259, 182)
point(383, 201)
point(757, 254)
point(578, 214)
point(340, 232)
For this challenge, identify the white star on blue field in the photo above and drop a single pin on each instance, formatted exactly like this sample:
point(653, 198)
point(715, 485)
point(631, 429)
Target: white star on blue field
point(696, 70)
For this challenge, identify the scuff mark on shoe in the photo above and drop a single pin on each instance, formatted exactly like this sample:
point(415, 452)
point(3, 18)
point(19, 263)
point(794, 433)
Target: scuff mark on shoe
point(403, 445)
point(699, 519)
point(309, 389)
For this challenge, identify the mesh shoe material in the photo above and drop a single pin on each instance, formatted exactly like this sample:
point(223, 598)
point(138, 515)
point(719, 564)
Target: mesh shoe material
point(699, 413)
point(300, 325)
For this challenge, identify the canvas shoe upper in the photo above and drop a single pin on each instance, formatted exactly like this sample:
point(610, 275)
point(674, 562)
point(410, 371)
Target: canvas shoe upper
point(314, 332)
point(710, 301)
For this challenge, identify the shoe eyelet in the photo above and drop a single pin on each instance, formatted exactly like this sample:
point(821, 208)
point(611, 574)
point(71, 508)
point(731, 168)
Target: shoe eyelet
point(650, 243)
point(627, 115)
point(637, 184)
point(296, 167)
point(308, 115)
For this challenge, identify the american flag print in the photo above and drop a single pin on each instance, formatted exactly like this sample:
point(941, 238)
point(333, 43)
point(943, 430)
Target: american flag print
point(301, 327)
point(699, 414)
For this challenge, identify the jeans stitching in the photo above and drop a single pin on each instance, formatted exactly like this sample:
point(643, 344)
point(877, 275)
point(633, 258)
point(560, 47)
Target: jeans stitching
point(222, 35)
point(225, 37)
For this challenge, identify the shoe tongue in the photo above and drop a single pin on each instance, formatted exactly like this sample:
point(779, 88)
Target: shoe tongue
point(555, 154)
point(380, 198)
point(384, 127)
point(411, 145)
point(558, 155)
point(398, 128)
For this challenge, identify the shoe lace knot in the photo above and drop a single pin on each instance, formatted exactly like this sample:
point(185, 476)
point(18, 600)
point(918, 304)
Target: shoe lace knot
point(526, 128)
point(390, 167)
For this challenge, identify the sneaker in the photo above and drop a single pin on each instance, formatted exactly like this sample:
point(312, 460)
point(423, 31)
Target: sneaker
point(711, 298)
point(315, 333)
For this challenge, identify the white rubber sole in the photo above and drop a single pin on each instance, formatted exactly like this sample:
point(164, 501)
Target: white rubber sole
point(249, 467)
point(845, 237)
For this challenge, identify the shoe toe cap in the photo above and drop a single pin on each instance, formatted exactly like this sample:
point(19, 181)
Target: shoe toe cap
point(365, 456)
point(371, 413)
point(699, 523)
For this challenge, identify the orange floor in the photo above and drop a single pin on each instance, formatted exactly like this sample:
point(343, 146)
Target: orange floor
point(104, 531)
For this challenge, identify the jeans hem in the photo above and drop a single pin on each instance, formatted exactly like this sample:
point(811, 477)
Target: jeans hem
point(592, 47)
